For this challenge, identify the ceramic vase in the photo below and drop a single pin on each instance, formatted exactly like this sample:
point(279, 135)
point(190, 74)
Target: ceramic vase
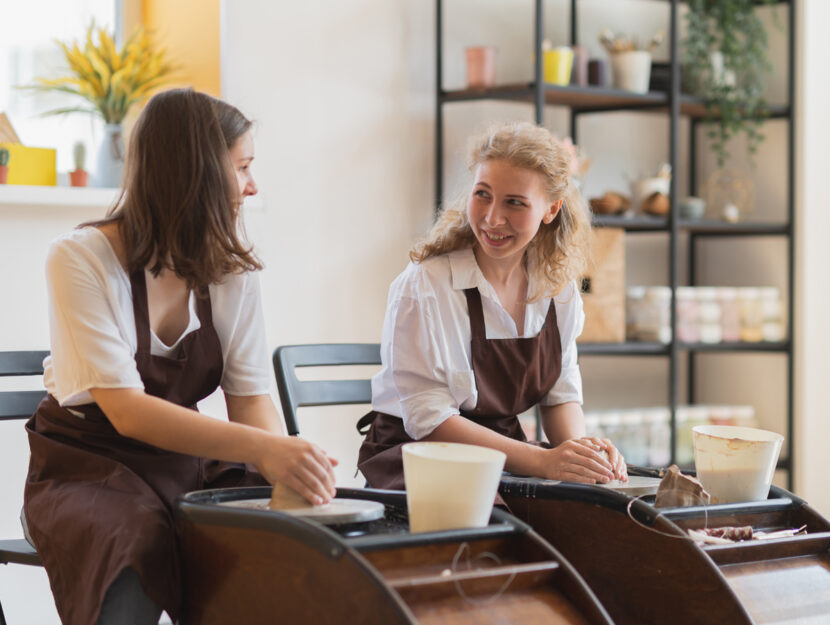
point(110, 163)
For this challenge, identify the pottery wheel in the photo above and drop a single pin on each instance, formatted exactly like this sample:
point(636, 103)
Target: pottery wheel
point(636, 486)
point(335, 512)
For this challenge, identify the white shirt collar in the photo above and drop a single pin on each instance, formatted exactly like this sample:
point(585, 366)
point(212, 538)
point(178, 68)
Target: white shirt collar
point(466, 273)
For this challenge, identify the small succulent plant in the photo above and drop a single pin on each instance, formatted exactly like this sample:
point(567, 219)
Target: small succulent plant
point(79, 153)
point(4, 157)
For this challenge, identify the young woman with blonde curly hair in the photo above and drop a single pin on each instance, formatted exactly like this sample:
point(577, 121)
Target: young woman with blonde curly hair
point(482, 324)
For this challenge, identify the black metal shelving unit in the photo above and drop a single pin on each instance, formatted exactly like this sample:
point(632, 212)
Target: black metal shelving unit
point(596, 100)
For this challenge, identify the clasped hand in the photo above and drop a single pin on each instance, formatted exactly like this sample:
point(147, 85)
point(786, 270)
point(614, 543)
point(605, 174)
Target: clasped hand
point(585, 460)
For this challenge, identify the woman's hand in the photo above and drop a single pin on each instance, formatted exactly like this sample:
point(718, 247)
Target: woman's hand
point(582, 460)
point(614, 457)
point(300, 465)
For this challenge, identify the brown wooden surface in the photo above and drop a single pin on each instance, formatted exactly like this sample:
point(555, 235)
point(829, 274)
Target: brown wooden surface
point(239, 575)
point(784, 591)
point(639, 576)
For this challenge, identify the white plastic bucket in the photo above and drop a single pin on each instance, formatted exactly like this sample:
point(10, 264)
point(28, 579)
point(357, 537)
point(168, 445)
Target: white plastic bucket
point(735, 463)
point(450, 485)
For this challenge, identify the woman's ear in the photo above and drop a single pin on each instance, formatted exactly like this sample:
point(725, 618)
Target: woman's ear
point(553, 211)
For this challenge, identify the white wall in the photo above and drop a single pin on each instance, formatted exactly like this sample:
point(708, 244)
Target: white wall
point(343, 94)
point(813, 305)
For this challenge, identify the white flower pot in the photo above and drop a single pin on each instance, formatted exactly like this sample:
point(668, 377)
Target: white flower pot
point(632, 70)
point(109, 166)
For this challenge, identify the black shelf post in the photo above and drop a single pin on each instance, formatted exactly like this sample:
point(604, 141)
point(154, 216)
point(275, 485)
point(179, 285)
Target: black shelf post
point(674, 116)
point(439, 113)
point(538, 37)
point(791, 14)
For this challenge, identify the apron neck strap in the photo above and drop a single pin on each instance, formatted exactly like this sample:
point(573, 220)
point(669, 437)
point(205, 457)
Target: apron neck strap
point(141, 310)
point(477, 330)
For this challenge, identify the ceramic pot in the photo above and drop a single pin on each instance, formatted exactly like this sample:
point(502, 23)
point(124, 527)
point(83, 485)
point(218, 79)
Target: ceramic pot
point(481, 66)
point(78, 178)
point(110, 163)
point(4, 173)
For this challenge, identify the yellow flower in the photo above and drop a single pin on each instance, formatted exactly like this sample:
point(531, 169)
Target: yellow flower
point(111, 80)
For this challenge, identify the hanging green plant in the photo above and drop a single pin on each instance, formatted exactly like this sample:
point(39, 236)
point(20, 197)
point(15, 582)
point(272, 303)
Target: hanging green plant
point(726, 64)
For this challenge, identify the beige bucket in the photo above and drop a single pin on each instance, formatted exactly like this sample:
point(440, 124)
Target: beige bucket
point(735, 463)
point(450, 485)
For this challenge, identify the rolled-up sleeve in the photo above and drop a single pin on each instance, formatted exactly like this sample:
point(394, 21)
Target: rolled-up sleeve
point(87, 348)
point(571, 320)
point(419, 364)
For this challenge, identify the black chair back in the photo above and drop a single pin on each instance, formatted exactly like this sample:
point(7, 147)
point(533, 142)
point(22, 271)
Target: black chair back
point(295, 393)
point(20, 404)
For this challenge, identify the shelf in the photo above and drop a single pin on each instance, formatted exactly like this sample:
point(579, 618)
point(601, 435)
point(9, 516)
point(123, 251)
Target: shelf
point(712, 227)
point(591, 99)
point(635, 223)
point(776, 347)
point(623, 349)
point(87, 197)
point(576, 97)
point(721, 228)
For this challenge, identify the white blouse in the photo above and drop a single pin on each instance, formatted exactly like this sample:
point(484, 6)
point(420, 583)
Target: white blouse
point(427, 374)
point(92, 325)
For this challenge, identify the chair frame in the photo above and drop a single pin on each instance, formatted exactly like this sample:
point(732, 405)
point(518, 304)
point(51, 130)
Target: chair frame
point(19, 405)
point(295, 393)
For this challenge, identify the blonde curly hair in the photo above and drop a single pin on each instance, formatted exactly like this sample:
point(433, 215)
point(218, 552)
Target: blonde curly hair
point(561, 248)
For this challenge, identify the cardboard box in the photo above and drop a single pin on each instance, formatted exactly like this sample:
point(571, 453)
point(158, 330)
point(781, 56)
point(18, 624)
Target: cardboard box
point(31, 166)
point(603, 289)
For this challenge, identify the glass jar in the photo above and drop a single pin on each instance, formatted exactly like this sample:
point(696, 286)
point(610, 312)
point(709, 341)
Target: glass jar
point(744, 416)
point(635, 437)
point(659, 436)
point(611, 426)
point(752, 314)
point(687, 315)
point(634, 301)
point(709, 314)
point(592, 427)
point(772, 326)
point(656, 315)
point(721, 415)
point(683, 437)
point(730, 314)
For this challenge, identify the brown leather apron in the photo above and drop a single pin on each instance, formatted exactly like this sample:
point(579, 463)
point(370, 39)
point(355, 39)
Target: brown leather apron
point(97, 502)
point(512, 375)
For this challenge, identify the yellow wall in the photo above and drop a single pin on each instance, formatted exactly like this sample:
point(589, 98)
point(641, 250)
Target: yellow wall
point(189, 29)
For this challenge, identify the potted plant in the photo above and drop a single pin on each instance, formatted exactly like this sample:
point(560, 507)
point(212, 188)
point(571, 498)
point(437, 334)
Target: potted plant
point(111, 81)
point(4, 165)
point(630, 59)
point(726, 64)
point(78, 177)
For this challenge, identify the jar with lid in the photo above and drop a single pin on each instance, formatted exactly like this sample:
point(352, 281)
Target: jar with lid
point(635, 437)
point(709, 313)
point(611, 426)
point(592, 428)
point(692, 416)
point(687, 315)
point(659, 436)
point(744, 416)
point(772, 326)
point(752, 314)
point(634, 301)
point(721, 415)
point(730, 314)
point(656, 315)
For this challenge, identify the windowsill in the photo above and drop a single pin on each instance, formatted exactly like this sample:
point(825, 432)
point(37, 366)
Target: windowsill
point(12, 195)
point(88, 197)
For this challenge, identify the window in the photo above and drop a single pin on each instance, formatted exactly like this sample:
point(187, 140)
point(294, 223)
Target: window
point(28, 50)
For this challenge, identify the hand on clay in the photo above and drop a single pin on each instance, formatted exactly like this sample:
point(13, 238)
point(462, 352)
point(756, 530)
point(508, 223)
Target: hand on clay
point(612, 454)
point(300, 465)
point(579, 460)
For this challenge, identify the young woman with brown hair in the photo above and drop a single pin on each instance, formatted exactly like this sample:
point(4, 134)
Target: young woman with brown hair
point(152, 309)
point(482, 324)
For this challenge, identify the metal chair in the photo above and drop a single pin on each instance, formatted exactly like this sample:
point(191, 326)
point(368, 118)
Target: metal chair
point(295, 393)
point(19, 405)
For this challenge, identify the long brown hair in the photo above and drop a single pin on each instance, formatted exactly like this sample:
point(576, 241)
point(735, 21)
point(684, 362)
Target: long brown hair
point(178, 207)
point(561, 248)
